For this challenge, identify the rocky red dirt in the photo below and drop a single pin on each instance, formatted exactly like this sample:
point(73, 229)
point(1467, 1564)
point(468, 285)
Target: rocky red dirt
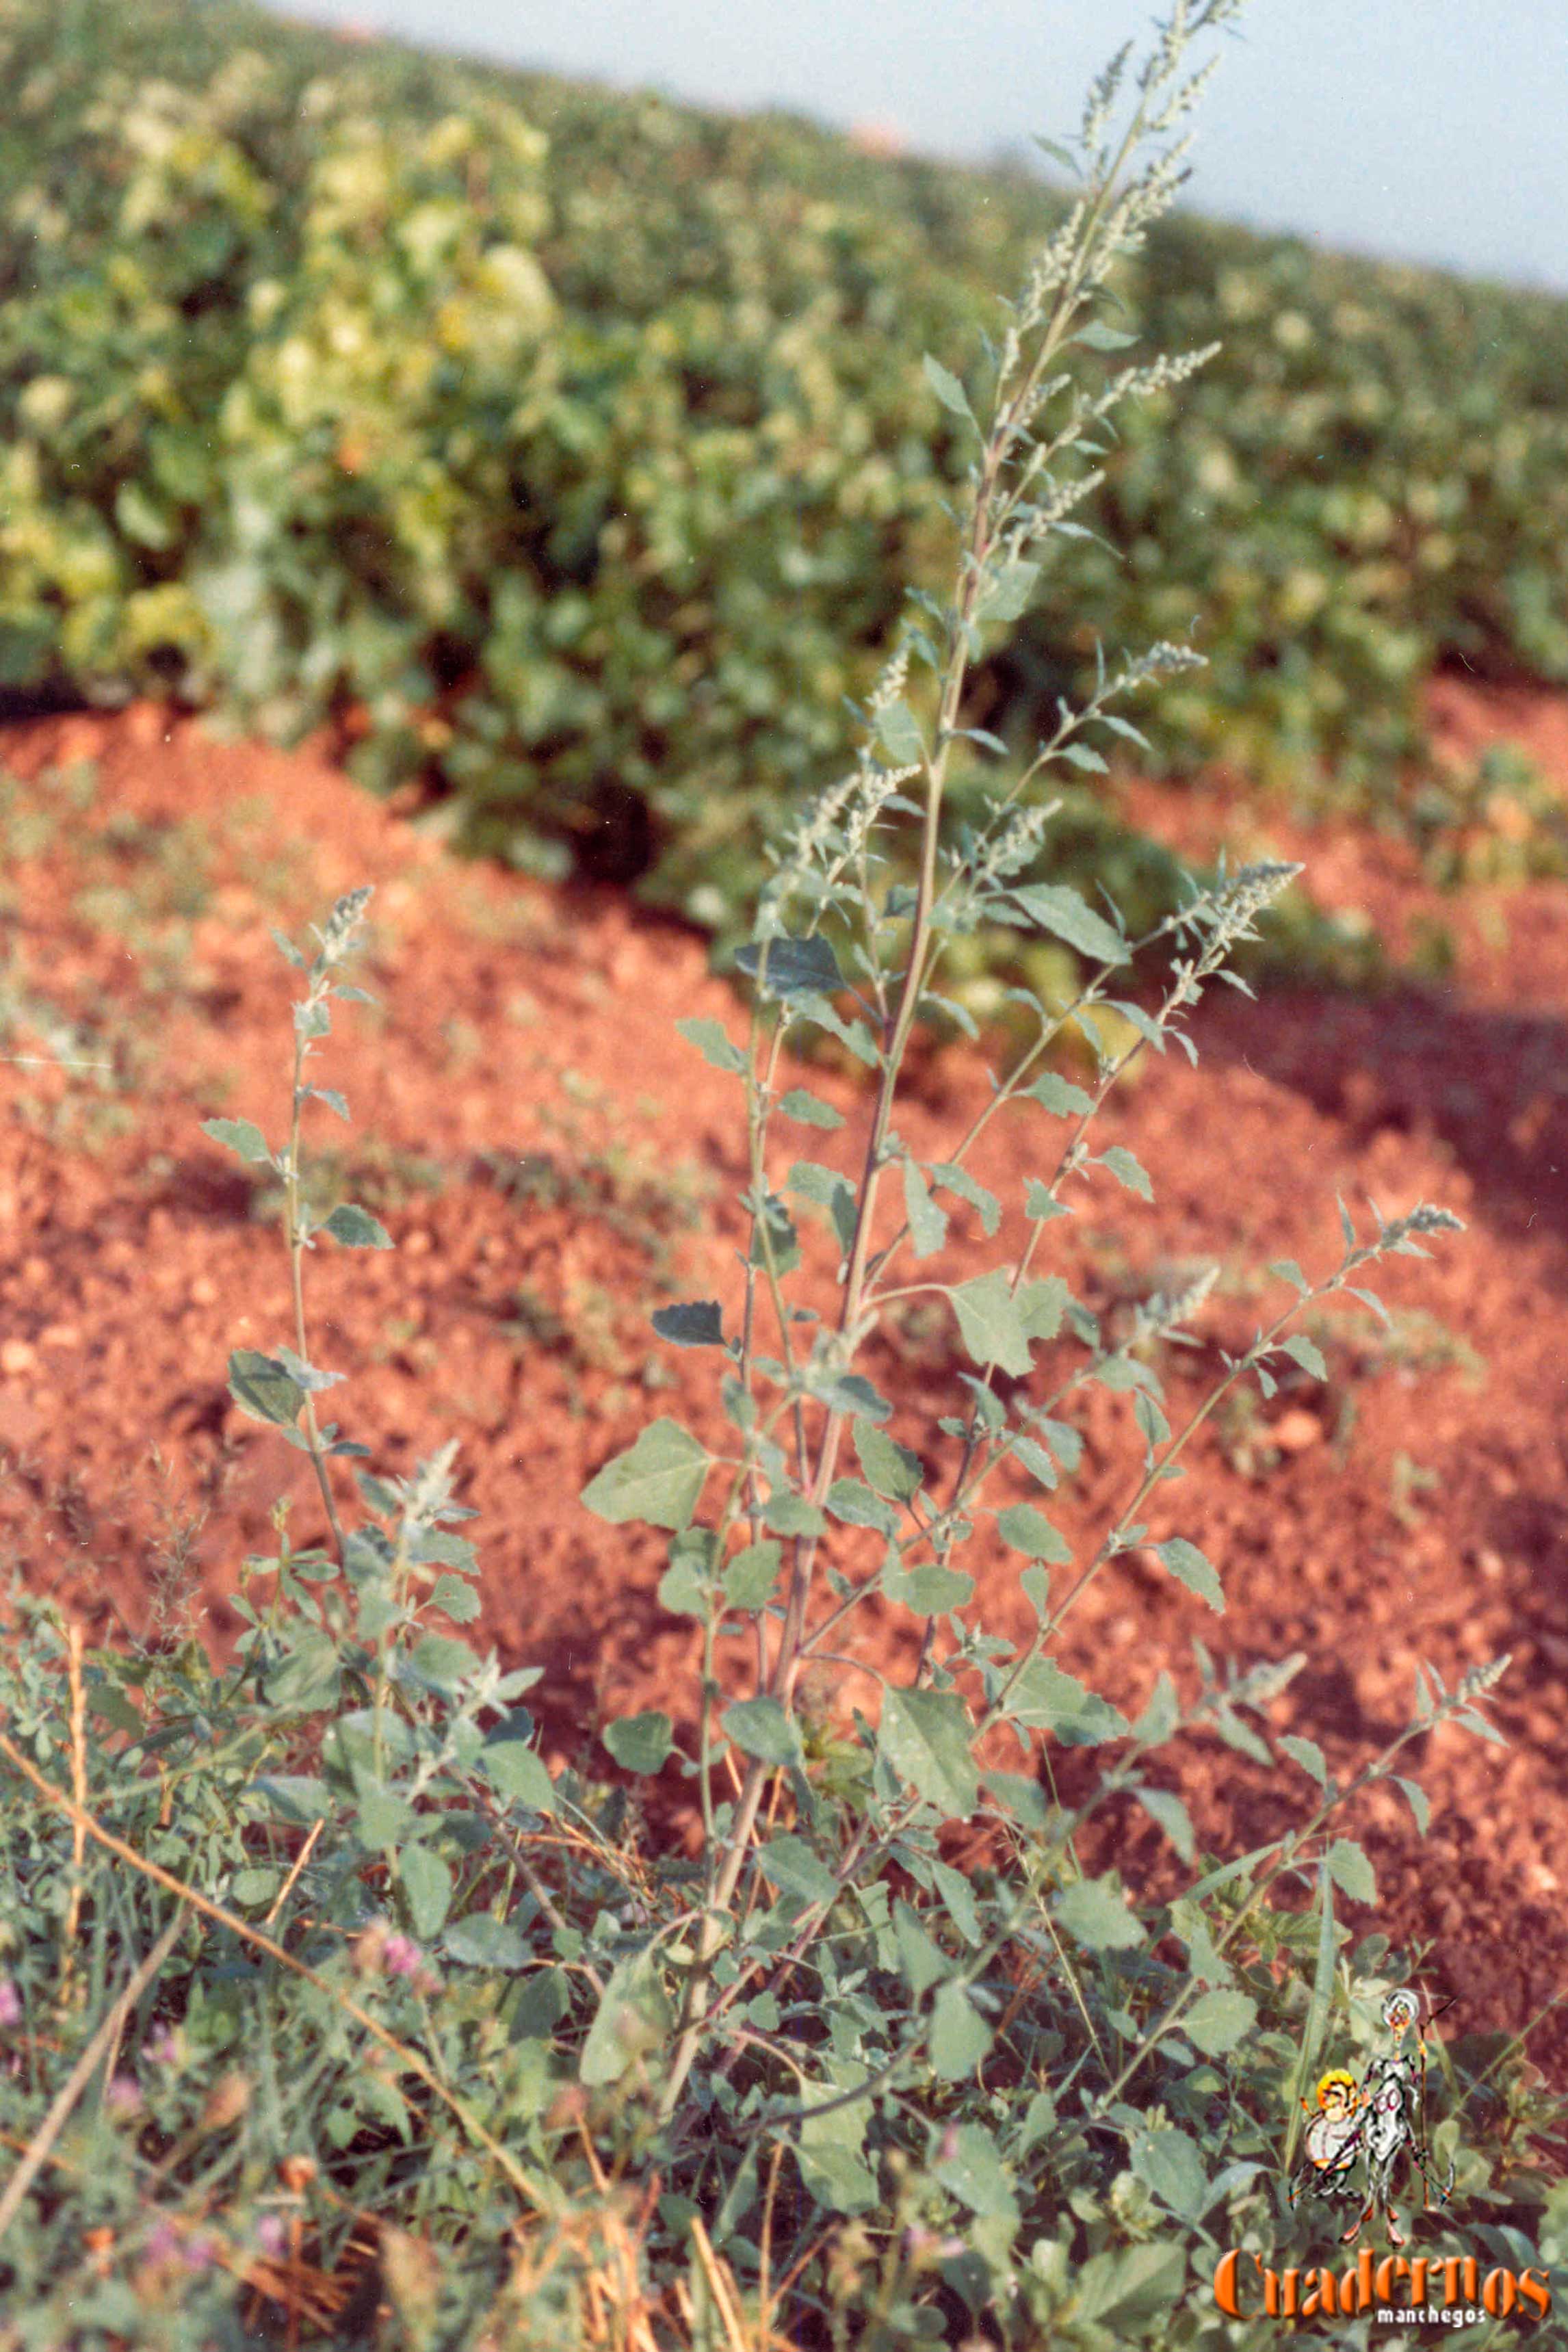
point(553, 1160)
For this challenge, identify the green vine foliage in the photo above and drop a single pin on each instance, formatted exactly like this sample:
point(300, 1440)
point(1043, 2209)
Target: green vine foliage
point(327, 2010)
point(573, 451)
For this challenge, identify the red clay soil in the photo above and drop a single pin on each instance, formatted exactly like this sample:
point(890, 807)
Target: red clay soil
point(1415, 1508)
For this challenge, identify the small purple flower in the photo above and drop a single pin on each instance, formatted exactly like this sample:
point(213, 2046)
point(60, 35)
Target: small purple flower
point(199, 2253)
point(401, 1956)
point(163, 2047)
point(161, 2243)
point(123, 2096)
point(10, 2003)
point(271, 2236)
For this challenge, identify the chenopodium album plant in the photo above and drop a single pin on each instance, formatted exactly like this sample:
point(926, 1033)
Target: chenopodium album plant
point(359, 1938)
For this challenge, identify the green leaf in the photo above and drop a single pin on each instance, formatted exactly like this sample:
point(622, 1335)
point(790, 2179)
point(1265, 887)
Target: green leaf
point(480, 1941)
point(243, 1137)
point(1350, 1871)
point(1187, 1565)
point(847, 1393)
point(1308, 1755)
point(1021, 1795)
point(788, 1514)
point(683, 1590)
point(928, 1223)
point(517, 1771)
point(1040, 1202)
point(639, 1743)
point(1061, 1099)
point(760, 1727)
point(897, 732)
point(1417, 1797)
point(1041, 1306)
point(837, 2178)
point(384, 1819)
point(356, 1228)
point(809, 1109)
point(1096, 1915)
point(1219, 2022)
point(1066, 915)
point(826, 1189)
point(247, 1888)
point(1126, 1169)
point(921, 1961)
point(774, 1231)
point(1098, 337)
point(1008, 592)
point(1045, 1699)
point(959, 2036)
point(1287, 1270)
point(889, 1467)
point(1036, 1461)
point(1167, 2162)
point(852, 1501)
point(294, 1797)
point(1116, 2293)
point(924, 1735)
point(427, 1883)
point(657, 1480)
point(751, 1575)
point(631, 2020)
point(1024, 1529)
point(928, 1588)
point(958, 1179)
point(1057, 153)
point(989, 1323)
point(696, 1323)
point(1322, 1995)
point(455, 1597)
point(958, 1897)
point(792, 1865)
point(948, 389)
point(783, 968)
point(264, 1389)
point(440, 1663)
point(713, 1042)
point(975, 2174)
point(1172, 1815)
point(1302, 1350)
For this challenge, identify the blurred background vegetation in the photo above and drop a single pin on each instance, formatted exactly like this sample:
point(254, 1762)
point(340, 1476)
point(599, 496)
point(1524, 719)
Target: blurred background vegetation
point(569, 455)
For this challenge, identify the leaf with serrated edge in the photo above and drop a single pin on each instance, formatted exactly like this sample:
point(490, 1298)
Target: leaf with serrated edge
point(924, 1735)
point(356, 1228)
point(989, 1324)
point(1186, 1563)
point(658, 1479)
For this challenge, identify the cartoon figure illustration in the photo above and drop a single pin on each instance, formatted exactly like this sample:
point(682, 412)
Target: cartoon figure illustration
point(1333, 2135)
point(1379, 2120)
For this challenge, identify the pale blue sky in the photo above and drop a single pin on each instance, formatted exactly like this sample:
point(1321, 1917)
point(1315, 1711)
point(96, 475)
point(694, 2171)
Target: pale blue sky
point(1425, 129)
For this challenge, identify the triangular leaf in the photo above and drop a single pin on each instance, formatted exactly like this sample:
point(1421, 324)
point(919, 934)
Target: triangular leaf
point(924, 1735)
point(639, 1743)
point(989, 1323)
point(1066, 915)
point(657, 1479)
point(356, 1228)
point(785, 967)
point(695, 1323)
